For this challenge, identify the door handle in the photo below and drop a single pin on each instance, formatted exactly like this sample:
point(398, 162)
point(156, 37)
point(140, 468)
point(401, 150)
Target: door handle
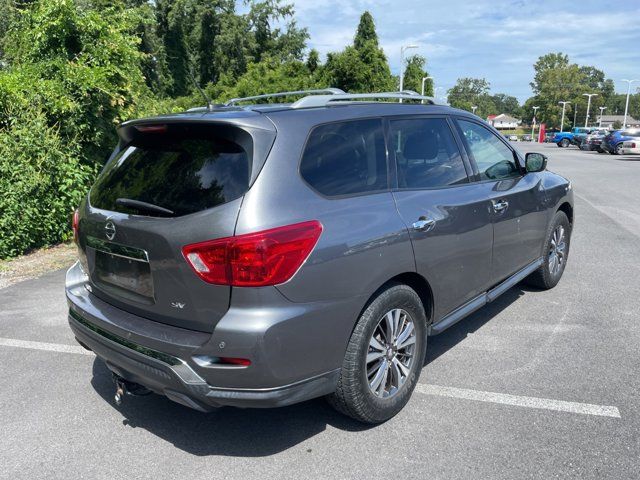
point(500, 206)
point(423, 224)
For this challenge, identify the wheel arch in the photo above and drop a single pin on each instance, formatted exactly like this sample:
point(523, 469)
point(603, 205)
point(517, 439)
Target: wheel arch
point(418, 283)
point(568, 211)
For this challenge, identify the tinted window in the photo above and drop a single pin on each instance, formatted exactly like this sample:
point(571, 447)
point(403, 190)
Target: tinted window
point(346, 158)
point(185, 170)
point(426, 154)
point(494, 159)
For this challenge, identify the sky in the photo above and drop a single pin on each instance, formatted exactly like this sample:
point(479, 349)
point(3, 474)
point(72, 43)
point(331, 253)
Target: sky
point(497, 40)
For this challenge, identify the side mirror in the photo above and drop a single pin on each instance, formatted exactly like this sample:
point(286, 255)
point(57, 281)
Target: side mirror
point(535, 162)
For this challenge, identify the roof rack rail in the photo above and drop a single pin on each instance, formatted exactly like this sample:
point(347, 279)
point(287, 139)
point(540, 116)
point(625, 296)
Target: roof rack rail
point(326, 91)
point(326, 100)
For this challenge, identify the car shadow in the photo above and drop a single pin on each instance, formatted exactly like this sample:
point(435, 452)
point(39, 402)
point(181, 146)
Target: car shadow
point(440, 344)
point(261, 432)
point(227, 431)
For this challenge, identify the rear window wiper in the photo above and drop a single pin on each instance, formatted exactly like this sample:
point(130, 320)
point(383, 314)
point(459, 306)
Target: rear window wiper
point(139, 205)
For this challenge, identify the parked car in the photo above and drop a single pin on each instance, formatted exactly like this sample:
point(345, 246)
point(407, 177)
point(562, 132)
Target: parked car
point(612, 143)
point(593, 141)
point(512, 137)
point(562, 139)
point(574, 137)
point(526, 138)
point(263, 255)
point(631, 148)
point(580, 134)
point(548, 137)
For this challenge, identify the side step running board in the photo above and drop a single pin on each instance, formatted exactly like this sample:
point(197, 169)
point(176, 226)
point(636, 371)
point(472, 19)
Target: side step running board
point(484, 298)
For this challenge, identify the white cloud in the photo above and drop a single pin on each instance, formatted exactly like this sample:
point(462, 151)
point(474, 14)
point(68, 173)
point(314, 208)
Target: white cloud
point(498, 40)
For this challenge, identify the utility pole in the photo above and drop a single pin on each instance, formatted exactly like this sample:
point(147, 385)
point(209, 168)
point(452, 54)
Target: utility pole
point(626, 106)
point(589, 95)
point(402, 49)
point(424, 79)
point(564, 105)
point(533, 126)
point(602, 109)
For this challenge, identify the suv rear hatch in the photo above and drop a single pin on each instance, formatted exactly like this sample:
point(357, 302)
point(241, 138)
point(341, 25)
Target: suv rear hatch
point(173, 181)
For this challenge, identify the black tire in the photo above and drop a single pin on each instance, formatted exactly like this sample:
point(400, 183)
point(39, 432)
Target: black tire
point(618, 150)
point(565, 142)
point(544, 277)
point(353, 396)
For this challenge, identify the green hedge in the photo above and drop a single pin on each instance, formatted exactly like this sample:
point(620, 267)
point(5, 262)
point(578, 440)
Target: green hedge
point(41, 182)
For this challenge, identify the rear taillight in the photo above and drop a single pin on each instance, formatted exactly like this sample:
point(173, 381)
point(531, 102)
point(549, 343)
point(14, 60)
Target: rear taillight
point(74, 224)
point(256, 259)
point(633, 145)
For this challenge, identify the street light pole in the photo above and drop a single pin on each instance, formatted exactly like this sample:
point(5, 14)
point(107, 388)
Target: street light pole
point(602, 109)
point(424, 79)
point(564, 104)
point(435, 92)
point(473, 109)
point(626, 106)
point(402, 49)
point(586, 120)
point(533, 126)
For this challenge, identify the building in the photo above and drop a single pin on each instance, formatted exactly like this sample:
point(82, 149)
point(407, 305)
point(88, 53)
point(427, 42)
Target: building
point(503, 121)
point(609, 120)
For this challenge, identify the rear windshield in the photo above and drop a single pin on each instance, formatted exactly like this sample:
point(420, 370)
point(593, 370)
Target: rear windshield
point(181, 170)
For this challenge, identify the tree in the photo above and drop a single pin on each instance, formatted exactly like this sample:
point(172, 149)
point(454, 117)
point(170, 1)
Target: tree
point(557, 79)
point(414, 72)
point(469, 92)
point(313, 60)
point(207, 39)
point(507, 104)
point(617, 125)
point(72, 74)
point(267, 76)
point(361, 68)
point(81, 66)
point(366, 32)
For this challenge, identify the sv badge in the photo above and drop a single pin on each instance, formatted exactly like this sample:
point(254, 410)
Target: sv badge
point(178, 304)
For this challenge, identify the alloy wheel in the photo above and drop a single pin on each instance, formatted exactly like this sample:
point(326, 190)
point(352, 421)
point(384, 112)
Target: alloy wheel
point(557, 250)
point(391, 353)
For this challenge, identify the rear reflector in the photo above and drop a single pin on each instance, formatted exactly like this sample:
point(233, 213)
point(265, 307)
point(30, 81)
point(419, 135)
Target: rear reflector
point(245, 362)
point(269, 257)
point(74, 224)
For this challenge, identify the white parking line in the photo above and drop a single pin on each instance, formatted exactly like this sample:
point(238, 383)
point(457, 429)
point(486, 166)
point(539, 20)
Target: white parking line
point(520, 401)
point(49, 347)
point(452, 392)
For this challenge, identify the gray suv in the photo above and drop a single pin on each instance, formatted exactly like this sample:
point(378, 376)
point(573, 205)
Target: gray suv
point(265, 254)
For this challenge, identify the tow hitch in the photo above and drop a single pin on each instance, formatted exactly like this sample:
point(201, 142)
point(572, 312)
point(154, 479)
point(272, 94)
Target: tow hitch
point(124, 387)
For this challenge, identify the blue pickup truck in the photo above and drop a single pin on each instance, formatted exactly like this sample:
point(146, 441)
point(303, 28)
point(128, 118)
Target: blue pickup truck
point(574, 137)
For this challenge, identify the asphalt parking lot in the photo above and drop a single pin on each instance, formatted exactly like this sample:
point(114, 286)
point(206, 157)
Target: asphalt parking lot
point(535, 385)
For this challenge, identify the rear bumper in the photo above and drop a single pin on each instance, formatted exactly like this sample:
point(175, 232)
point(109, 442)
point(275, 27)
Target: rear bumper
point(163, 360)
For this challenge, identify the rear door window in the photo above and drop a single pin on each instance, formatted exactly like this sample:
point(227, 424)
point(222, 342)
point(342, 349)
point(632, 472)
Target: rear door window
point(183, 170)
point(346, 158)
point(426, 153)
